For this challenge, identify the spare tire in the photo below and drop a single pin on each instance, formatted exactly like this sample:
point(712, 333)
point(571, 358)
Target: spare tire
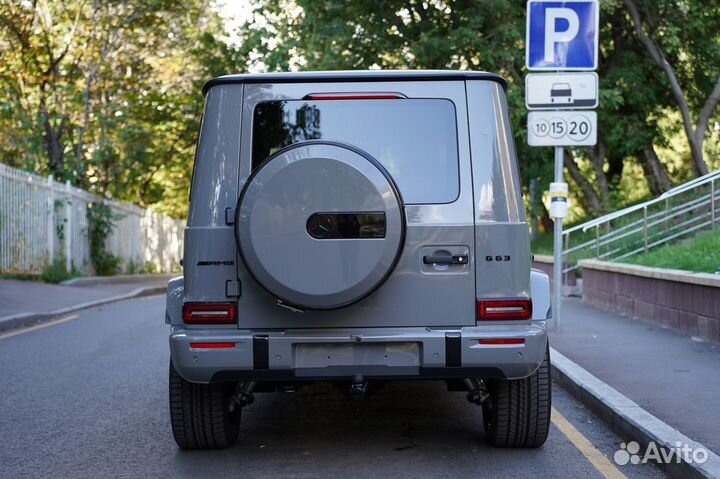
point(320, 224)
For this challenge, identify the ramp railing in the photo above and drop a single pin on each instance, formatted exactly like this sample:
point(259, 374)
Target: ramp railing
point(676, 214)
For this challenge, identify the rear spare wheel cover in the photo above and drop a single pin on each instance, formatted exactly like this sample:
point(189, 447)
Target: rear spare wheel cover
point(320, 224)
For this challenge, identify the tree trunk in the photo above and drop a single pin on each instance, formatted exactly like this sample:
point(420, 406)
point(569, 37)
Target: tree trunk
point(89, 78)
point(657, 178)
point(615, 167)
point(695, 133)
point(597, 157)
point(699, 165)
point(545, 221)
point(589, 194)
point(53, 144)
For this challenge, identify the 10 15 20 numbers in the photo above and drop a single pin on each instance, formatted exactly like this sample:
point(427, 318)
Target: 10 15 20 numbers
point(577, 127)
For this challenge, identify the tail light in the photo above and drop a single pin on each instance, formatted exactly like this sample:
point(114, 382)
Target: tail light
point(501, 342)
point(354, 96)
point(212, 345)
point(502, 309)
point(209, 313)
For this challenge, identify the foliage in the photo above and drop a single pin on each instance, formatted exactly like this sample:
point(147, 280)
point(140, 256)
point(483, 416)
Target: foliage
point(132, 267)
point(57, 272)
point(148, 267)
point(636, 99)
point(21, 277)
point(543, 244)
point(701, 254)
point(100, 224)
point(107, 94)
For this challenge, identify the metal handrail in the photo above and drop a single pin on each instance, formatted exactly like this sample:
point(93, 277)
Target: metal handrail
point(691, 184)
point(657, 221)
point(603, 240)
point(710, 177)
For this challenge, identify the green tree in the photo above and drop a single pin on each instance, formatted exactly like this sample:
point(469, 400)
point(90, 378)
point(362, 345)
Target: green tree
point(489, 35)
point(107, 94)
point(683, 39)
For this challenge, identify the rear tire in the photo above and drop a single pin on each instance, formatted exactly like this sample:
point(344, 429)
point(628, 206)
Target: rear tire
point(201, 415)
point(517, 414)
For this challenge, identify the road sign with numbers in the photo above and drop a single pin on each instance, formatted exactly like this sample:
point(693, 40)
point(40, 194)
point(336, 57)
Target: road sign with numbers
point(562, 128)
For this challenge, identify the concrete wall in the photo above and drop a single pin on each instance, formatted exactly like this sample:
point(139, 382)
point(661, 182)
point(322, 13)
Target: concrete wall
point(686, 301)
point(545, 263)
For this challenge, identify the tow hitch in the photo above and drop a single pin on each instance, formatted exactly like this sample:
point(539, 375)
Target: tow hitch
point(477, 391)
point(358, 386)
point(243, 395)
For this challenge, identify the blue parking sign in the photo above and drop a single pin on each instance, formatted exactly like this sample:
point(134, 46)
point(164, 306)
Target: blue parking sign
point(562, 35)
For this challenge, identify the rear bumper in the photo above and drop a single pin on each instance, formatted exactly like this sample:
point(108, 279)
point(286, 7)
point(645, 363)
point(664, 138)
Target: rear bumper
point(340, 354)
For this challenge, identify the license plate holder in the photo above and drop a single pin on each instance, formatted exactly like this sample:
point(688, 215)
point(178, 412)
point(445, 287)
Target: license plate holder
point(326, 355)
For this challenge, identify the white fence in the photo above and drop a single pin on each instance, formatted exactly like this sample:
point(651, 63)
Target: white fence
point(42, 220)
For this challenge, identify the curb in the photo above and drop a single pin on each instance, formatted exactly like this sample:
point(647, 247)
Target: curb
point(29, 319)
point(118, 279)
point(626, 418)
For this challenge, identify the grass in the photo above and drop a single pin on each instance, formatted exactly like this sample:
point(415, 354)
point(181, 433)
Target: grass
point(700, 254)
point(52, 273)
point(21, 277)
point(543, 245)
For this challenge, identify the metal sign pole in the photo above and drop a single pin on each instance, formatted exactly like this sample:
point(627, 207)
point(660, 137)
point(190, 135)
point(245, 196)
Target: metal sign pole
point(562, 104)
point(557, 245)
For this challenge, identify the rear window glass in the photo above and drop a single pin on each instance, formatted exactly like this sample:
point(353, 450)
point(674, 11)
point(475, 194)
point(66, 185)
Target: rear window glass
point(414, 139)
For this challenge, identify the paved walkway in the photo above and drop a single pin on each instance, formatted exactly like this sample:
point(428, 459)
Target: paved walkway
point(17, 297)
point(666, 372)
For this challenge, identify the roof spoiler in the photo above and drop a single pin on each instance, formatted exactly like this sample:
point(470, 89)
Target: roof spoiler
point(354, 76)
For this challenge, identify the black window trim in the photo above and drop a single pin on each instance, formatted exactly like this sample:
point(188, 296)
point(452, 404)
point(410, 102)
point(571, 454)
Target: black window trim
point(407, 203)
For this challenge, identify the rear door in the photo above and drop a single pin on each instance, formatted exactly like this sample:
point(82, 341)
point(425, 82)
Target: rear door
point(419, 134)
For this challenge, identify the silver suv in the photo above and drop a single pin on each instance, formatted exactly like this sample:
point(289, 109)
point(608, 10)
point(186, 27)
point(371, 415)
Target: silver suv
point(357, 227)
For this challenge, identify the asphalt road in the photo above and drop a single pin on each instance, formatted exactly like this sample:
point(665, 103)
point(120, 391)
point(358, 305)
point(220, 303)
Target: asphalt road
point(88, 398)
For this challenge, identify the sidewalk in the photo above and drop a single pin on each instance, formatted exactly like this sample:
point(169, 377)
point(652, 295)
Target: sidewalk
point(666, 372)
point(29, 298)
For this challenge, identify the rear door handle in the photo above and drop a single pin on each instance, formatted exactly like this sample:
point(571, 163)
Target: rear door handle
point(446, 259)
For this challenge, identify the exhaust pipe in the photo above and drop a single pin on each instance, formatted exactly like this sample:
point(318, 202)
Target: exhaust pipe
point(243, 395)
point(477, 391)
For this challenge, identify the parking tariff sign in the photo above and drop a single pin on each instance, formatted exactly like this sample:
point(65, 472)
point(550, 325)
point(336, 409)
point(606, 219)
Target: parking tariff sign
point(562, 128)
point(562, 35)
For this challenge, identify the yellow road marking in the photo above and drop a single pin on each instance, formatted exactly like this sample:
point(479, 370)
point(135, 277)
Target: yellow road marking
point(64, 319)
point(586, 448)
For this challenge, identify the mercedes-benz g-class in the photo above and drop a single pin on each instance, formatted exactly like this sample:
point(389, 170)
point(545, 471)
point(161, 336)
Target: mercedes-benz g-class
point(357, 227)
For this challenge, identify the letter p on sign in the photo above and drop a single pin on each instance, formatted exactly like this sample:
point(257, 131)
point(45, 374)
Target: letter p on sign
point(553, 36)
point(562, 35)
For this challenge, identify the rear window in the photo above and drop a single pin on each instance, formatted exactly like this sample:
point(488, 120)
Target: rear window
point(414, 139)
